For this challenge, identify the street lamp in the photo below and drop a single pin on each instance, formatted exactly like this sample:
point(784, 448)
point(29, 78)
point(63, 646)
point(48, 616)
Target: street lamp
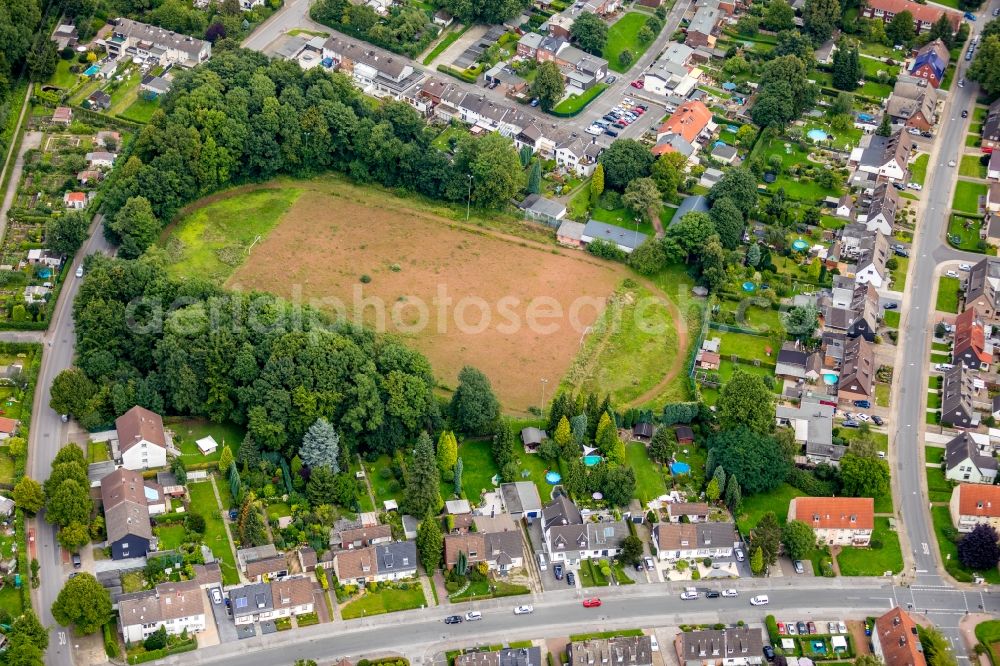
point(468, 202)
point(544, 382)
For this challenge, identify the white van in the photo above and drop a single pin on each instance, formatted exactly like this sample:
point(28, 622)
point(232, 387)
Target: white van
point(759, 600)
point(541, 562)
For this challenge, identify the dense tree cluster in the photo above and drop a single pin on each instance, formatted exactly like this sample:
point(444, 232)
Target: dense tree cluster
point(240, 117)
point(84, 603)
point(405, 30)
point(249, 359)
point(978, 550)
point(589, 33)
point(784, 92)
point(754, 459)
point(67, 497)
point(986, 65)
point(483, 11)
point(27, 639)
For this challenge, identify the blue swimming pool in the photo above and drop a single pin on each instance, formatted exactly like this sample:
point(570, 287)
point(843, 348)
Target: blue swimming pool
point(90, 71)
point(749, 287)
point(590, 461)
point(680, 467)
point(816, 135)
point(798, 245)
point(552, 478)
point(829, 378)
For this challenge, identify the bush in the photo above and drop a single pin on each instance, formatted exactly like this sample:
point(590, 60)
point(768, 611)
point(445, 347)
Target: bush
point(772, 629)
point(605, 250)
point(110, 641)
point(695, 575)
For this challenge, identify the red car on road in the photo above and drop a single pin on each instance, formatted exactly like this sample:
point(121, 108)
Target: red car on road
point(591, 603)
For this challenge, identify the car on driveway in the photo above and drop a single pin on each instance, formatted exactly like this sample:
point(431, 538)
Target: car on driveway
point(473, 616)
point(730, 593)
point(570, 578)
point(863, 404)
point(915, 186)
point(557, 570)
point(969, 16)
point(891, 306)
point(611, 79)
point(842, 627)
point(524, 610)
point(759, 600)
point(850, 423)
point(216, 595)
point(781, 627)
point(790, 628)
point(832, 627)
point(878, 420)
point(802, 628)
point(650, 564)
point(739, 555)
point(812, 627)
point(799, 567)
point(453, 619)
point(953, 274)
point(591, 603)
point(964, 267)
point(862, 417)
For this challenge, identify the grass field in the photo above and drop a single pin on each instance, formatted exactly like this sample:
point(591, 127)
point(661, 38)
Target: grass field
point(934, 454)
point(576, 103)
point(478, 468)
point(624, 35)
point(967, 196)
point(918, 170)
point(188, 431)
point(384, 485)
point(745, 346)
point(873, 561)
point(629, 349)
point(211, 241)
point(203, 502)
point(648, 478)
point(891, 318)
point(949, 551)
point(755, 506)
point(6, 465)
point(988, 634)
point(405, 262)
point(899, 274)
point(938, 487)
point(790, 156)
point(140, 110)
point(947, 296)
point(171, 536)
point(277, 510)
point(387, 600)
point(972, 166)
point(967, 236)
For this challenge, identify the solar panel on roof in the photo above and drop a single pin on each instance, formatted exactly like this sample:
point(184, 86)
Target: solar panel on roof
point(241, 602)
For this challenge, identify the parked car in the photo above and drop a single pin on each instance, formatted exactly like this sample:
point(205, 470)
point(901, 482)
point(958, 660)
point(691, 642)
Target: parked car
point(802, 627)
point(77, 563)
point(862, 417)
point(650, 564)
point(473, 616)
point(79, 271)
point(688, 595)
point(790, 628)
point(534, 102)
point(812, 627)
point(970, 16)
point(557, 570)
point(951, 163)
point(570, 578)
point(964, 267)
point(914, 131)
point(637, 84)
point(781, 627)
point(996, 12)
point(768, 653)
point(759, 600)
point(739, 555)
point(849, 423)
point(524, 610)
point(842, 627)
point(653, 644)
point(832, 627)
point(611, 79)
point(712, 594)
point(927, 134)
point(965, 113)
point(878, 420)
point(216, 595)
point(799, 567)
point(453, 619)
point(611, 132)
point(953, 274)
point(591, 603)
point(594, 130)
point(961, 83)
point(863, 404)
point(731, 592)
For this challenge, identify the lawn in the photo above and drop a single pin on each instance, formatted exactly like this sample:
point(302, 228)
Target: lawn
point(934, 454)
point(574, 104)
point(873, 561)
point(918, 170)
point(277, 510)
point(209, 241)
point(536, 469)
point(624, 35)
point(947, 296)
point(141, 110)
point(383, 480)
point(188, 431)
point(6, 465)
point(949, 551)
point(972, 167)
point(744, 345)
point(204, 503)
point(648, 478)
point(62, 77)
point(882, 394)
point(988, 634)
point(967, 196)
point(755, 506)
point(478, 468)
point(10, 599)
point(795, 188)
point(386, 600)
point(899, 274)
point(443, 140)
point(622, 217)
point(171, 536)
point(750, 316)
point(938, 487)
point(490, 589)
point(972, 140)
point(963, 233)
point(629, 350)
point(891, 318)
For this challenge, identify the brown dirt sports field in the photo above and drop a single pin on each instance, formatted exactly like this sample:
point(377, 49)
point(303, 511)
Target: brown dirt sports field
point(331, 237)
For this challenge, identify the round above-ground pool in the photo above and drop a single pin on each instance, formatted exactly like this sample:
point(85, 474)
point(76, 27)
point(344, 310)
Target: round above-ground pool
point(749, 286)
point(799, 245)
point(829, 378)
point(680, 467)
point(590, 461)
point(816, 135)
point(552, 478)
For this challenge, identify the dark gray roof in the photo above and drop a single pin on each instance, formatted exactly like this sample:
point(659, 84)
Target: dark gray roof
point(714, 644)
point(832, 451)
point(693, 204)
point(398, 556)
point(520, 496)
point(964, 447)
point(251, 599)
point(561, 511)
point(614, 234)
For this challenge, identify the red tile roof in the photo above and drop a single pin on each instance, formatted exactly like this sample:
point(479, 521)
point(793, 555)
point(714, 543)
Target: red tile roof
point(688, 121)
point(857, 513)
point(979, 500)
point(897, 636)
point(969, 335)
point(922, 13)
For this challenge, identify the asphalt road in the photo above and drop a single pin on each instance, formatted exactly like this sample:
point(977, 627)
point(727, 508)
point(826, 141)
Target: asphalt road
point(48, 434)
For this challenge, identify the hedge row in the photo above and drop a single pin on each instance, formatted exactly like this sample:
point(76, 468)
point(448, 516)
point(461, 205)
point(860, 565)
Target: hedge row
point(457, 73)
point(153, 655)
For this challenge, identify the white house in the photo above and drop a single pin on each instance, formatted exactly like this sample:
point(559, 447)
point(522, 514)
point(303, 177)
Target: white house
point(569, 537)
point(881, 213)
point(130, 38)
point(177, 606)
point(675, 541)
point(142, 441)
point(837, 521)
point(101, 158)
point(75, 200)
point(972, 504)
point(872, 255)
point(969, 458)
point(883, 156)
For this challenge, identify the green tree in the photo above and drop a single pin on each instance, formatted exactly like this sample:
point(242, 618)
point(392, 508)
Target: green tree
point(225, 459)
point(72, 392)
point(563, 436)
point(734, 496)
point(900, 29)
point(649, 258)
point(447, 451)
point(42, 59)
point(801, 321)
point(74, 536)
point(28, 495)
point(686, 238)
point(27, 627)
point(864, 477)
point(661, 447)
point(754, 458)
point(156, 640)
point(597, 184)
point(495, 168)
point(179, 470)
point(423, 492)
point(820, 18)
point(548, 86)
point(766, 536)
point(430, 544)
point(321, 446)
point(937, 649)
point(986, 65)
point(631, 551)
point(641, 196)
point(728, 222)
point(745, 135)
point(784, 92)
point(457, 477)
point(941, 29)
point(134, 227)
point(322, 486)
point(535, 178)
point(626, 58)
point(625, 160)
point(474, 407)
point(798, 538)
point(753, 255)
point(978, 550)
point(590, 33)
point(867, 660)
point(68, 503)
point(668, 173)
point(712, 491)
point(757, 561)
point(847, 70)
point(739, 185)
point(779, 16)
point(84, 603)
point(64, 234)
point(746, 401)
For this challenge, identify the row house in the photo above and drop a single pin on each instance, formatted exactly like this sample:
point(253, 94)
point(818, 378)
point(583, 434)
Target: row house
point(383, 562)
point(733, 646)
point(931, 62)
point(179, 607)
point(682, 130)
point(501, 551)
point(857, 374)
point(837, 521)
point(924, 16)
point(570, 538)
point(376, 71)
point(678, 541)
point(614, 651)
point(130, 38)
point(703, 29)
point(128, 503)
point(271, 601)
point(883, 156)
point(981, 288)
point(970, 347)
point(991, 128)
point(957, 393)
point(913, 104)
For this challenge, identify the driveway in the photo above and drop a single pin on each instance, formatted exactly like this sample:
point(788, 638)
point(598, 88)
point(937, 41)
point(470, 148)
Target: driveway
point(225, 629)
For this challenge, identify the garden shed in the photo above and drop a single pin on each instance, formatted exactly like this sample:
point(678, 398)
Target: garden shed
point(207, 445)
